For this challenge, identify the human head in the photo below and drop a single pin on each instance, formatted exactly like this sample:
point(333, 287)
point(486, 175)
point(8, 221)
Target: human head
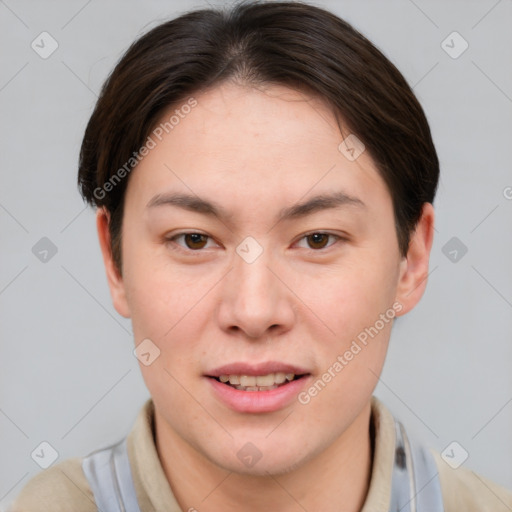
point(262, 97)
point(287, 43)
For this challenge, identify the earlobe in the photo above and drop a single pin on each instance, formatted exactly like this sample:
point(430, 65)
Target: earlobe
point(114, 278)
point(414, 269)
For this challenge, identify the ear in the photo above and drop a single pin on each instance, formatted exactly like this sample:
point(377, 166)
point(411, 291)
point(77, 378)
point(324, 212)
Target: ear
point(114, 278)
point(414, 267)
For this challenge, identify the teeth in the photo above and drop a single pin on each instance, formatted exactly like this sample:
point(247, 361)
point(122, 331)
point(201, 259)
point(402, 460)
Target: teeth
point(247, 380)
point(265, 380)
point(281, 377)
point(256, 388)
point(253, 383)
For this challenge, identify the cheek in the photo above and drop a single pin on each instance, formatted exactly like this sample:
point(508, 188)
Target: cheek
point(160, 294)
point(355, 302)
point(351, 359)
point(162, 308)
point(350, 296)
point(167, 309)
point(171, 307)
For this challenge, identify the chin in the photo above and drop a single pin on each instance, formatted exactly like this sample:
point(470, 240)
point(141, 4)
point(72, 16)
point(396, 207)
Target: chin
point(268, 460)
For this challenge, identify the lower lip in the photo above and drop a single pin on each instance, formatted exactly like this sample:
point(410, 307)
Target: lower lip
point(258, 401)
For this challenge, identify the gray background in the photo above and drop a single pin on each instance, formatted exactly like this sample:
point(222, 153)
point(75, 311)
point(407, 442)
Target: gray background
point(68, 375)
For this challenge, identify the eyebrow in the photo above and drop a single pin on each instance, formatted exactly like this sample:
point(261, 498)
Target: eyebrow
point(211, 208)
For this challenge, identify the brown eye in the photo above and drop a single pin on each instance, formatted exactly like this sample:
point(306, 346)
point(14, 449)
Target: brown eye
point(318, 240)
point(195, 240)
point(190, 243)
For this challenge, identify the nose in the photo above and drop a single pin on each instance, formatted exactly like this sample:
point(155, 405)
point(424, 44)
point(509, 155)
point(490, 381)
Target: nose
point(255, 300)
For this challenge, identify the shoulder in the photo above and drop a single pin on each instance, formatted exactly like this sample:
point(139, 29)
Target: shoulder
point(464, 489)
point(60, 488)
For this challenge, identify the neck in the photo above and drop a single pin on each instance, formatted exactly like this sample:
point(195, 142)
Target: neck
point(337, 477)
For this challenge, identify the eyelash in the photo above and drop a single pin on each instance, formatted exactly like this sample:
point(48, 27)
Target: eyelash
point(180, 248)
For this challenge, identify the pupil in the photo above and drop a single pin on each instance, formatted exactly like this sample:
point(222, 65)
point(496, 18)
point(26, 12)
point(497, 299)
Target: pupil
point(318, 238)
point(195, 238)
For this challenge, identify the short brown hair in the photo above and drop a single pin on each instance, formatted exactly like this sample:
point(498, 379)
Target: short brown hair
point(257, 42)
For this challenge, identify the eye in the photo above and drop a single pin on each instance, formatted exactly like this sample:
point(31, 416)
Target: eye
point(318, 240)
point(193, 241)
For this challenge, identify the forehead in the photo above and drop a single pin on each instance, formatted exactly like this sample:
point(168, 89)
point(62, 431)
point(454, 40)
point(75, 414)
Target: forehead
point(253, 148)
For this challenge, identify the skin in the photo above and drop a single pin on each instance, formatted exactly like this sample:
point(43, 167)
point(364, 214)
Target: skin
point(256, 151)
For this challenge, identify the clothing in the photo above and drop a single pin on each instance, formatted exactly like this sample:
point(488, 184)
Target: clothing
point(64, 486)
point(415, 484)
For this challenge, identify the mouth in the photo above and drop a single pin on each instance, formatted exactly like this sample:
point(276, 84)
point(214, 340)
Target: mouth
point(257, 388)
point(251, 383)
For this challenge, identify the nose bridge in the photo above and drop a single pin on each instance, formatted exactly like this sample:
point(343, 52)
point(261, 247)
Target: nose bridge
point(253, 280)
point(254, 299)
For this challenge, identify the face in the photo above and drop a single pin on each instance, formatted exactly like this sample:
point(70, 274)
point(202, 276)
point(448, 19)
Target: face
point(254, 248)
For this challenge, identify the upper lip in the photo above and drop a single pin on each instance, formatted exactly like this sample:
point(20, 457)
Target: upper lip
point(265, 368)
